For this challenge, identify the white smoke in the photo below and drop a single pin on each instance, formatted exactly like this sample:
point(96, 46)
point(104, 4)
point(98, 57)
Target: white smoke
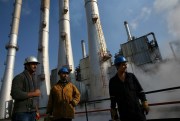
point(171, 12)
point(162, 75)
point(166, 73)
point(144, 15)
point(173, 19)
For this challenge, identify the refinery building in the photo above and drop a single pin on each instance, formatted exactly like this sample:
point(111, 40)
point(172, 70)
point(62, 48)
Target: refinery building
point(95, 68)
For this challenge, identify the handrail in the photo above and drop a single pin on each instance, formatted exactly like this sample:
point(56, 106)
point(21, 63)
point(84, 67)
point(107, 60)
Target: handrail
point(152, 104)
point(161, 90)
point(149, 92)
point(100, 110)
point(164, 103)
point(154, 91)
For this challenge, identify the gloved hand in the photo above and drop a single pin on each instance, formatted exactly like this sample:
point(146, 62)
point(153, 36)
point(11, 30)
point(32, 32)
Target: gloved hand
point(114, 114)
point(73, 103)
point(37, 116)
point(145, 107)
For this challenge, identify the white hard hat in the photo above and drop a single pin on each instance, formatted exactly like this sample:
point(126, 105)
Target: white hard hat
point(31, 59)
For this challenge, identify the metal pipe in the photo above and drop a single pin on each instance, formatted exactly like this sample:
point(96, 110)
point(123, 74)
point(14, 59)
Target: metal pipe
point(9, 69)
point(86, 112)
point(43, 56)
point(172, 49)
point(128, 31)
point(83, 48)
point(65, 56)
point(108, 109)
point(97, 49)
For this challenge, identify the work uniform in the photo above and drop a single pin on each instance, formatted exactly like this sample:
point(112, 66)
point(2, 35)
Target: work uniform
point(64, 96)
point(23, 105)
point(126, 95)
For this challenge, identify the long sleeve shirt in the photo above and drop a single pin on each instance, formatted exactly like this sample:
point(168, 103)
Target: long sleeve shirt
point(126, 95)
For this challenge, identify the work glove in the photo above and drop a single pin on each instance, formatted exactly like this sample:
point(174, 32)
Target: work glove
point(37, 116)
point(145, 107)
point(114, 114)
point(73, 103)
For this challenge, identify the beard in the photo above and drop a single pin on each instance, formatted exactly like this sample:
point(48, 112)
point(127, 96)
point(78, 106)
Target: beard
point(64, 79)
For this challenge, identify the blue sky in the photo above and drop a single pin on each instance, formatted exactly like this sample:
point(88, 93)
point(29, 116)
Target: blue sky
point(143, 16)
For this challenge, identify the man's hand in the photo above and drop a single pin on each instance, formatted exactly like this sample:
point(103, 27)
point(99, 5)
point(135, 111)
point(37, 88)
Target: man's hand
point(114, 114)
point(37, 116)
point(145, 107)
point(36, 93)
point(73, 103)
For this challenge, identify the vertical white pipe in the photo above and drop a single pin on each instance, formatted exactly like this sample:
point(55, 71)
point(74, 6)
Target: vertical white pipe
point(9, 69)
point(97, 46)
point(128, 30)
point(43, 56)
point(65, 56)
point(83, 48)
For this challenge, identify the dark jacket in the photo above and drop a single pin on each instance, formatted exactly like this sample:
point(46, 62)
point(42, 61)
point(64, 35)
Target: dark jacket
point(21, 85)
point(62, 100)
point(126, 94)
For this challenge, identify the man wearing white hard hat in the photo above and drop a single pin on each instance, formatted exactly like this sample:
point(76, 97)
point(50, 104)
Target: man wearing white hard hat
point(25, 92)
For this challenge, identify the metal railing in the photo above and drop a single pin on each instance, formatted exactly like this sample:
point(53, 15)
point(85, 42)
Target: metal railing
point(86, 111)
point(108, 109)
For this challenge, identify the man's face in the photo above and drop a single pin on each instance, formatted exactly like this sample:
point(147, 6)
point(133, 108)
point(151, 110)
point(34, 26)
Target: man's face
point(64, 76)
point(31, 67)
point(122, 67)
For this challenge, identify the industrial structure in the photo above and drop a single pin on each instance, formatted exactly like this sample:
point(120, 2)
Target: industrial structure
point(65, 56)
point(43, 74)
point(94, 71)
point(12, 47)
point(95, 76)
point(141, 50)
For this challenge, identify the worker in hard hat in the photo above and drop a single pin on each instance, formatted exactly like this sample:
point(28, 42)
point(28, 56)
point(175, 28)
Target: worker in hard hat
point(126, 93)
point(25, 92)
point(64, 96)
